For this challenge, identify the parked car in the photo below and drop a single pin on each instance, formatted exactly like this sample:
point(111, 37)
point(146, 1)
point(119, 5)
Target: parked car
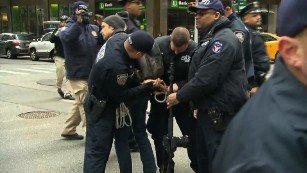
point(271, 43)
point(41, 48)
point(12, 45)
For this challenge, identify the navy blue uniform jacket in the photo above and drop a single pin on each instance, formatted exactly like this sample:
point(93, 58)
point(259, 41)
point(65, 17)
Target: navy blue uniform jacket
point(268, 135)
point(80, 43)
point(216, 75)
point(111, 76)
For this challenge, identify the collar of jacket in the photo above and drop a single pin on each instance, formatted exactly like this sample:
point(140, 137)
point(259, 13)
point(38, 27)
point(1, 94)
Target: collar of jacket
point(223, 22)
point(289, 94)
point(232, 17)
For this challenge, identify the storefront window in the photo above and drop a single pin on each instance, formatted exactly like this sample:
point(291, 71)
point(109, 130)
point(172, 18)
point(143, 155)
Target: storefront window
point(54, 12)
point(16, 19)
point(4, 21)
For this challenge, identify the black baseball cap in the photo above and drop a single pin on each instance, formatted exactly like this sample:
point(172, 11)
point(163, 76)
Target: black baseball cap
point(141, 41)
point(291, 17)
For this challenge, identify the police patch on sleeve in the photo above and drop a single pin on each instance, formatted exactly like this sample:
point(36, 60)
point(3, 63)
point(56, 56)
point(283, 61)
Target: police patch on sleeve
point(240, 35)
point(217, 47)
point(122, 79)
point(94, 33)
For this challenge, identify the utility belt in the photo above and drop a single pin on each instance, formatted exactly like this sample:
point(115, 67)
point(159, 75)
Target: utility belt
point(97, 107)
point(219, 118)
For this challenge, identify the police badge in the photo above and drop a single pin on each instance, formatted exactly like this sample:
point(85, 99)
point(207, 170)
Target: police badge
point(122, 79)
point(240, 35)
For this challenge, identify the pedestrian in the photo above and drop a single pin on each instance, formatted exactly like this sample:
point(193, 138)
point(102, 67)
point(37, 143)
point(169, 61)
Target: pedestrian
point(80, 43)
point(251, 16)
point(110, 26)
point(133, 9)
point(269, 132)
point(243, 34)
point(109, 85)
point(59, 60)
point(176, 48)
point(217, 82)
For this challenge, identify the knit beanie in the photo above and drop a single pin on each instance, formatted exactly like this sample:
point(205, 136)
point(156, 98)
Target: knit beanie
point(76, 5)
point(115, 21)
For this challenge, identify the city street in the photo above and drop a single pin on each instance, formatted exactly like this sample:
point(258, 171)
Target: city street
point(31, 143)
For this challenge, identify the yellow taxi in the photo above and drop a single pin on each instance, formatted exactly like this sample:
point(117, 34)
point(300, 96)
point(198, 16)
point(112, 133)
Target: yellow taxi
point(271, 43)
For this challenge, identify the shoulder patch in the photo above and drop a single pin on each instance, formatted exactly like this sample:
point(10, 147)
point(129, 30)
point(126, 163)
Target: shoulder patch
point(122, 79)
point(94, 33)
point(217, 47)
point(240, 35)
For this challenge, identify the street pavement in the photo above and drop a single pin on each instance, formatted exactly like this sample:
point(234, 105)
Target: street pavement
point(35, 145)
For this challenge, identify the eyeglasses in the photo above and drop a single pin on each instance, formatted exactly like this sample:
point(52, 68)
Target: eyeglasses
point(202, 13)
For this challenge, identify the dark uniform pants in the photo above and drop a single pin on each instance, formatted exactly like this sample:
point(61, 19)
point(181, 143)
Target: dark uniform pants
point(208, 140)
point(99, 138)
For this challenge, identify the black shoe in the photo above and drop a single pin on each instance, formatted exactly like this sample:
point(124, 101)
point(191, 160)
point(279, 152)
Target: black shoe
point(73, 137)
point(61, 92)
point(69, 97)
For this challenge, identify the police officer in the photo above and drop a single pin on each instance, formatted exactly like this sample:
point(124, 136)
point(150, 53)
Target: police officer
point(217, 81)
point(80, 41)
point(59, 60)
point(178, 46)
point(269, 133)
point(109, 84)
point(240, 30)
point(251, 15)
point(132, 9)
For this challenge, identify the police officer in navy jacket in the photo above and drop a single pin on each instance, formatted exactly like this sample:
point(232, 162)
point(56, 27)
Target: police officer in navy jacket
point(251, 16)
point(110, 81)
point(269, 134)
point(217, 81)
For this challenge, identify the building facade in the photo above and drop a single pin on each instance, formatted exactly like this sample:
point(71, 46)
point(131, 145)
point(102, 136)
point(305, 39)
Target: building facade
point(160, 16)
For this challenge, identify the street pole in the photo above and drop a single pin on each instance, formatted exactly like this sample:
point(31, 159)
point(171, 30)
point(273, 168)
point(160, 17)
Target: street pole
point(195, 29)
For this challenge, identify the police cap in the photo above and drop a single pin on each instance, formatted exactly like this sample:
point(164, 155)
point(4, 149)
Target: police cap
point(291, 17)
point(250, 8)
point(208, 4)
point(141, 41)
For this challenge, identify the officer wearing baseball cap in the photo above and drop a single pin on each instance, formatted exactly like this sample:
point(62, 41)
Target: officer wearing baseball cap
point(269, 132)
point(109, 85)
point(251, 16)
point(216, 72)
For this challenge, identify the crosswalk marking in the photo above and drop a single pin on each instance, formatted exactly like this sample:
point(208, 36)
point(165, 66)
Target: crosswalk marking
point(13, 72)
point(42, 68)
point(33, 70)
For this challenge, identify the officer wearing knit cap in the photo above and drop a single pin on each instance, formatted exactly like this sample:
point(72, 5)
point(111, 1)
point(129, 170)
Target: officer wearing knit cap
point(80, 41)
point(272, 125)
point(110, 81)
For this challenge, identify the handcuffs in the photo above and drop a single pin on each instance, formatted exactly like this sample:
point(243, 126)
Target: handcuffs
point(164, 92)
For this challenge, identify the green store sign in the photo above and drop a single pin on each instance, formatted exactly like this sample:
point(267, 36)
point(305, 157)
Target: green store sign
point(179, 4)
point(238, 5)
point(109, 6)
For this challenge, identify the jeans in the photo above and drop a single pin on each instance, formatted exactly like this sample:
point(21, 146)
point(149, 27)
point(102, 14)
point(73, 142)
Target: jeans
point(138, 115)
